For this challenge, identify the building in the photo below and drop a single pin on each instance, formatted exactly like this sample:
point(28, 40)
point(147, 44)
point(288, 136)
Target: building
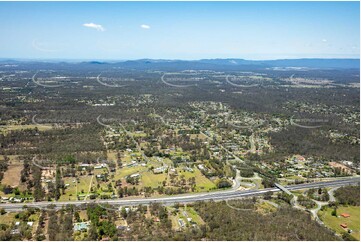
point(181, 223)
point(136, 175)
point(343, 226)
point(160, 169)
point(100, 166)
point(345, 215)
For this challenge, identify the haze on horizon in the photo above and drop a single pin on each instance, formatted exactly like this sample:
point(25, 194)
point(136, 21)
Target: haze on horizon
point(179, 30)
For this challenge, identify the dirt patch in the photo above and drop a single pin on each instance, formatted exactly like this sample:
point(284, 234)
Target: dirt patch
point(343, 167)
point(12, 175)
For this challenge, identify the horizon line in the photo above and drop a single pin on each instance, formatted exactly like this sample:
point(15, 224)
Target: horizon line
point(165, 59)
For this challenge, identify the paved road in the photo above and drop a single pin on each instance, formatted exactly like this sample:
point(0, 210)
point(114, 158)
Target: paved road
point(216, 196)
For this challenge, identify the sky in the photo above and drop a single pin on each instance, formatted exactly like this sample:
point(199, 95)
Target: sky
point(179, 30)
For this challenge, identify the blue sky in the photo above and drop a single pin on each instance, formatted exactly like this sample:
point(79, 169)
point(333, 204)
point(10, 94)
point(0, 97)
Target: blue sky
point(179, 30)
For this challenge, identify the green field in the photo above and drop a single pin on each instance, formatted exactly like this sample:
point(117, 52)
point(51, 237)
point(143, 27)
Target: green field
point(195, 217)
point(7, 128)
point(203, 183)
point(7, 218)
point(84, 183)
point(70, 191)
point(152, 180)
point(353, 222)
point(126, 171)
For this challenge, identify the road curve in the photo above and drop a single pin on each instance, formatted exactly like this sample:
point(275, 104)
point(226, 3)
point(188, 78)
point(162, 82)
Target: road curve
point(215, 196)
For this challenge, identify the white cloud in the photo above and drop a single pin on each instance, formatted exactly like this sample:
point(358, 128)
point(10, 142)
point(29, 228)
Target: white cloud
point(94, 26)
point(324, 40)
point(144, 26)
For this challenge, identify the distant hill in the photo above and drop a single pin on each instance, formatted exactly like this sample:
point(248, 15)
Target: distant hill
point(245, 64)
point(212, 64)
point(316, 63)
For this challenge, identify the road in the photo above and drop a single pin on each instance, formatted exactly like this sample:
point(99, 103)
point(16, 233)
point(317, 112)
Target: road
point(215, 196)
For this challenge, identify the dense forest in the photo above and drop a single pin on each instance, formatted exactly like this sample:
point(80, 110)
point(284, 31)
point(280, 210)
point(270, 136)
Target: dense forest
point(285, 224)
point(349, 195)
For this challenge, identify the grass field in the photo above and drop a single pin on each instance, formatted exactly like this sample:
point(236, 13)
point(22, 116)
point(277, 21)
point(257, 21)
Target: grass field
point(264, 208)
point(353, 222)
point(111, 155)
point(7, 128)
point(83, 184)
point(183, 214)
point(70, 191)
point(141, 134)
point(126, 171)
point(203, 183)
point(7, 218)
point(194, 215)
point(12, 174)
point(152, 180)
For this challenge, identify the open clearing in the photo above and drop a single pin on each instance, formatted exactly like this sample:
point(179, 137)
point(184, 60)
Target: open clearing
point(152, 180)
point(7, 128)
point(353, 222)
point(12, 174)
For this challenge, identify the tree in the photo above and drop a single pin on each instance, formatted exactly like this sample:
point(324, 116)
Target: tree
point(92, 233)
point(348, 237)
point(334, 212)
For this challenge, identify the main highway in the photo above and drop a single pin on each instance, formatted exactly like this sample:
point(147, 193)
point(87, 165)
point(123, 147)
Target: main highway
point(185, 198)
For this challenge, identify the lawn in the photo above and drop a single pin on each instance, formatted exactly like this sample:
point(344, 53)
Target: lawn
point(353, 222)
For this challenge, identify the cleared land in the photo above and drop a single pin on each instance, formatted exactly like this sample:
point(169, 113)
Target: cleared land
point(12, 174)
point(333, 222)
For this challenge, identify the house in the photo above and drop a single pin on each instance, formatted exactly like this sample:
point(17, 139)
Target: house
point(181, 223)
point(121, 227)
point(345, 215)
point(348, 163)
point(18, 200)
point(343, 226)
point(100, 166)
point(135, 175)
point(201, 167)
point(30, 224)
point(299, 158)
point(15, 231)
point(160, 169)
point(188, 169)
